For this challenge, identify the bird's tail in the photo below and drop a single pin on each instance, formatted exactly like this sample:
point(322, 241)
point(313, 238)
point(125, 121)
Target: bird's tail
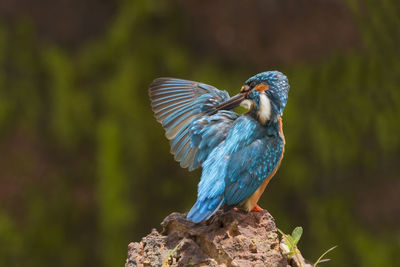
point(203, 209)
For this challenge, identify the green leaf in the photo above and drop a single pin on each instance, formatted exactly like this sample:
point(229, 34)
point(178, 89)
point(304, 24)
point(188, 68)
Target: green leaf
point(296, 234)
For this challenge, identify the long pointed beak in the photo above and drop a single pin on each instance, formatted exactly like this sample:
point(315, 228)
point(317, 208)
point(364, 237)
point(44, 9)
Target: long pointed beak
point(232, 102)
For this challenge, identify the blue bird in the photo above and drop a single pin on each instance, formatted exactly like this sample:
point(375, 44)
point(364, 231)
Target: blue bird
point(239, 153)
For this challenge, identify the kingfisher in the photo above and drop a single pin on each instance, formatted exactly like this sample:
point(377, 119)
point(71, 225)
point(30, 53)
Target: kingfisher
point(238, 153)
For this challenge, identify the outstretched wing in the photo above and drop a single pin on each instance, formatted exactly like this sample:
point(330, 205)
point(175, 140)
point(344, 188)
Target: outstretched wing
point(177, 104)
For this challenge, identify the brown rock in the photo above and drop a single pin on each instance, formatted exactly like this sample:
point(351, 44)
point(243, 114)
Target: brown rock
point(230, 238)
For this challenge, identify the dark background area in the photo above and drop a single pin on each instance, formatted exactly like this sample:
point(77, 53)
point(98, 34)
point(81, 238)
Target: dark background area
point(85, 168)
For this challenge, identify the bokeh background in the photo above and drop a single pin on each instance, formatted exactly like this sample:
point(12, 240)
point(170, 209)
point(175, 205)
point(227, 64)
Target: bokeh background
point(85, 168)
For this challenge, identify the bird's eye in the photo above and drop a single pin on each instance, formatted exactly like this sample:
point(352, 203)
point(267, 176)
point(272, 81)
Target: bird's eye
point(252, 84)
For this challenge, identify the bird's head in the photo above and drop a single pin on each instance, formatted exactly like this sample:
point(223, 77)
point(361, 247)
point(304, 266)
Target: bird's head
point(264, 94)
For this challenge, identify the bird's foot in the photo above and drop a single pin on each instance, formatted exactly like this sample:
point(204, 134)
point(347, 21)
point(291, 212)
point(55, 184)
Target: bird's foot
point(257, 208)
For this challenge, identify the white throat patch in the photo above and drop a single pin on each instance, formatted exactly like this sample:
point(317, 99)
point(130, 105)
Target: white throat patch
point(264, 113)
point(247, 104)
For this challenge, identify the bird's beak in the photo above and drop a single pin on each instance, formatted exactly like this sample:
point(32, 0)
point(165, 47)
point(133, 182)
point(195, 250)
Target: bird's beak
point(232, 102)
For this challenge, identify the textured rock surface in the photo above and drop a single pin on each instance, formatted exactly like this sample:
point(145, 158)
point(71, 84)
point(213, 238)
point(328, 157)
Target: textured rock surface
point(228, 239)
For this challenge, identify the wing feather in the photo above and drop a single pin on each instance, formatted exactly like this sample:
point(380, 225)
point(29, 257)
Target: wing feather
point(177, 104)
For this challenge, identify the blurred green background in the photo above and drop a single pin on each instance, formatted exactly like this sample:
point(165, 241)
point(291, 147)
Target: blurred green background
point(85, 168)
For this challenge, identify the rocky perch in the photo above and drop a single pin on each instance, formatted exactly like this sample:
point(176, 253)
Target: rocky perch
point(228, 239)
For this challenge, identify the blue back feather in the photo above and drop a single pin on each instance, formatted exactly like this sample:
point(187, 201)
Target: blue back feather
point(244, 156)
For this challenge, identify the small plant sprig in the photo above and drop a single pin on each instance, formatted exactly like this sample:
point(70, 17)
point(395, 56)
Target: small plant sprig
point(165, 261)
point(321, 260)
point(291, 241)
point(291, 249)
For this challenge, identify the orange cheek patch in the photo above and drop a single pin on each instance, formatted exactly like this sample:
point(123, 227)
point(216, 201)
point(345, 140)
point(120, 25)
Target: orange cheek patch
point(261, 87)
